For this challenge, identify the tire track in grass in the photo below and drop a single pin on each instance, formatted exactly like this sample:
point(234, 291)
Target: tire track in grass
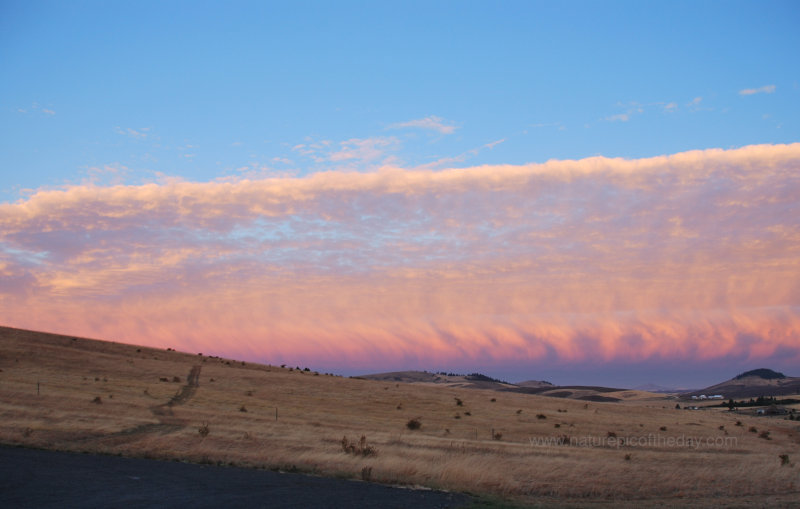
point(167, 422)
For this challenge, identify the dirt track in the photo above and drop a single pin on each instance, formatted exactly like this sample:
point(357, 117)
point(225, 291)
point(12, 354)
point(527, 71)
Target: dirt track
point(167, 422)
point(47, 479)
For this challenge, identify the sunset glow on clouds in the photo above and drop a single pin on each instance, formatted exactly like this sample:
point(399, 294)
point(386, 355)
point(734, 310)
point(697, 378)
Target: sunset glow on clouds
point(577, 191)
point(693, 256)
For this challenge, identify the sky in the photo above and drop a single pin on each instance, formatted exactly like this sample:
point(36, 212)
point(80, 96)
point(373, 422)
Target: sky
point(582, 192)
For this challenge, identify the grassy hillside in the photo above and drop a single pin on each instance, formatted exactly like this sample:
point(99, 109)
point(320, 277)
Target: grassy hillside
point(103, 397)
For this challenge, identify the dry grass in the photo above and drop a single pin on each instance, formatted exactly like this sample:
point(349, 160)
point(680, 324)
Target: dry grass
point(619, 453)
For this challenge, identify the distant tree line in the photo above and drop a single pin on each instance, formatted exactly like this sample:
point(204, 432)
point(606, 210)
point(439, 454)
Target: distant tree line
point(477, 377)
point(759, 401)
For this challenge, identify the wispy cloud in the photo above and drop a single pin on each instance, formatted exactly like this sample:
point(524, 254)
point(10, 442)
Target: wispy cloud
point(432, 123)
point(631, 108)
point(138, 134)
point(351, 153)
point(367, 149)
point(766, 89)
point(619, 117)
point(445, 162)
point(688, 256)
point(37, 108)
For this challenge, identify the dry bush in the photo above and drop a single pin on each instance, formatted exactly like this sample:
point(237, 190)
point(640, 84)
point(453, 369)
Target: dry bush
point(360, 448)
point(414, 424)
point(203, 430)
point(366, 474)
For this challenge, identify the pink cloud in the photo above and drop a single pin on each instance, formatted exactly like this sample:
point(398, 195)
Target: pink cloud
point(686, 256)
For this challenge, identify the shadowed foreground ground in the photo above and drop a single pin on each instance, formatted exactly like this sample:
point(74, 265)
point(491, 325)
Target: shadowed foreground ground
point(42, 479)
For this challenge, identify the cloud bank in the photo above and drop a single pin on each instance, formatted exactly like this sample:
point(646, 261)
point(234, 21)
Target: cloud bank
point(692, 256)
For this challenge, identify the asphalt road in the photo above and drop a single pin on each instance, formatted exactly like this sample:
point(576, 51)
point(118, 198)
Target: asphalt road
point(31, 478)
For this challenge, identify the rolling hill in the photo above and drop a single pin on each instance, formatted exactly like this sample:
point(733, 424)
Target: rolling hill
point(77, 394)
point(537, 387)
point(752, 384)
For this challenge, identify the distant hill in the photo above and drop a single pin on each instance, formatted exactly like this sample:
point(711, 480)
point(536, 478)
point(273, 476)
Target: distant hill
point(660, 389)
point(752, 384)
point(766, 374)
point(535, 384)
point(472, 381)
point(538, 387)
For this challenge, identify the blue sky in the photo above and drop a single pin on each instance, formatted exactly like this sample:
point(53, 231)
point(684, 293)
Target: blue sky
point(137, 91)
point(361, 186)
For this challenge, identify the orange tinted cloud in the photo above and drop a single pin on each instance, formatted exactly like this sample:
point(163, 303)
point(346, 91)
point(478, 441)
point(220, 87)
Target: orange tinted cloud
point(689, 256)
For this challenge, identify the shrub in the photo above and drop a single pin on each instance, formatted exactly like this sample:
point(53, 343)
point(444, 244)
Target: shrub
point(359, 448)
point(97, 400)
point(493, 400)
point(459, 402)
point(663, 428)
point(541, 416)
point(753, 429)
point(556, 425)
point(496, 435)
point(765, 435)
point(519, 411)
point(366, 474)
point(176, 379)
point(203, 430)
point(738, 423)
point(468, 413)
point(457, 416)
point(413, 424)
point(242, 408)
point(611, 434)
point(784, 458)
point(627, 457)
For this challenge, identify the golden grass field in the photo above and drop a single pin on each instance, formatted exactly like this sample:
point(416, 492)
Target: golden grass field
point(103, 397)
